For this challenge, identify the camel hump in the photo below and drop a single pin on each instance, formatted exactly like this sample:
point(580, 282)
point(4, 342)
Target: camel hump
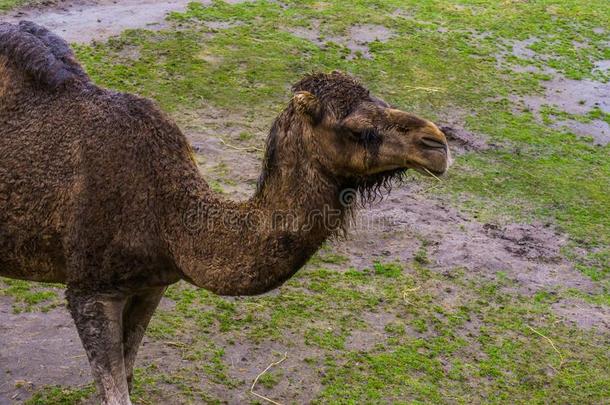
point(43, 56)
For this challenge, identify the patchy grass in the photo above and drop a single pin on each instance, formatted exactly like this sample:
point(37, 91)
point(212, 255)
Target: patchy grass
point(9, 4)
point(31, 296)
point(481, 345)
point(389, 331)
point(60, 395)
point(325, 257)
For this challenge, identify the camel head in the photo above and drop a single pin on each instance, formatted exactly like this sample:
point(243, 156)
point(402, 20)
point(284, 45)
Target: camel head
point(334, 129)
point(356, 135)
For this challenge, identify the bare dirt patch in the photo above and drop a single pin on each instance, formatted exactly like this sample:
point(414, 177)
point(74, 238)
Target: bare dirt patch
point(87, 21)
point(246, 360)
point(311, 33)
point(526, 253)
point(597, 129)
point(222, 25)
point(577, 97)
point(574, 97)
point(521, 49)
point(367, 33)
point(532, 241)
point(365, 340)
point(602, 65)
point(38, 349)
point(357, 40)
point(462, 141)
point(583, 314)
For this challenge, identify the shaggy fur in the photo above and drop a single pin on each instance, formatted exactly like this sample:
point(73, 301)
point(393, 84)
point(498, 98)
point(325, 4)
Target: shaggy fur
point(40, 54)
point(98, 190)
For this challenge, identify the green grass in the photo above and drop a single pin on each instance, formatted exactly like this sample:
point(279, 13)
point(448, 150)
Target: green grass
point(325, 257)
point(29, 296)
point(9, 4)
point(511, 364)
point(477, 346)
point(60, 395)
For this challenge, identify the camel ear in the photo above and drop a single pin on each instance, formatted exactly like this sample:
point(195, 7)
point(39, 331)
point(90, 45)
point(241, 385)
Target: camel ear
point(307, 105)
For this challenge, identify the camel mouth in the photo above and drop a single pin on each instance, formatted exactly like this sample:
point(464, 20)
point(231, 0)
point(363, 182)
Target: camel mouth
point(434, 144)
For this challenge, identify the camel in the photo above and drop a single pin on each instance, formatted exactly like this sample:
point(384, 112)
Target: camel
point(99, 191)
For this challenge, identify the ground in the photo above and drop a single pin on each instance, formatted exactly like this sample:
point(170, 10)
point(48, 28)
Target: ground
point(491, 285)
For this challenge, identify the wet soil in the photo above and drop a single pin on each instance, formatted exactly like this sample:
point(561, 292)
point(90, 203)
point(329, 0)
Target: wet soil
point(84, 21)
point(357, 40)
point(462, 141)
point(574, 97)
point(528, 254)
point(577, 97)
point(38, 349)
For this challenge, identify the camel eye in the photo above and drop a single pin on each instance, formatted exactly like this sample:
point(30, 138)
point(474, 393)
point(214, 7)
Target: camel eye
point(365, 136)
point(369, 135)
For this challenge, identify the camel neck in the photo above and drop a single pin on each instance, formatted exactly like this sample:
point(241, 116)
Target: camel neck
point(254, 246)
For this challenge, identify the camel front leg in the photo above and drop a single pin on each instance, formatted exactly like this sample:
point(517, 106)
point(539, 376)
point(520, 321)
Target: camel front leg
point(98, 318)
point(136, 316)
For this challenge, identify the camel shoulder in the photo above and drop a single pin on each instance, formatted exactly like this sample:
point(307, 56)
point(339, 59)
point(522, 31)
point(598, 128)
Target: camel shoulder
point(135, 125)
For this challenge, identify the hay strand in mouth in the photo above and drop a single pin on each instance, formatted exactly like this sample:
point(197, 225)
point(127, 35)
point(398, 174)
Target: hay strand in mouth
point(275, 363)
point(439, 181)
point(432, 174)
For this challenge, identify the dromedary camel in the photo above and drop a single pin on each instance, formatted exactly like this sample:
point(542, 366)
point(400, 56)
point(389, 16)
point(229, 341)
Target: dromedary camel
point(99, 191)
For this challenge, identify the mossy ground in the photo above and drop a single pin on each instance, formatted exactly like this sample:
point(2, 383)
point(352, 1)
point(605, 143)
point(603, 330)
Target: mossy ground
point(398, 332)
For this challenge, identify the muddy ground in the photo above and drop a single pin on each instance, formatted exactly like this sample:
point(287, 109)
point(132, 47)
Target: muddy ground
point(40, 349)
point(84, 21)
